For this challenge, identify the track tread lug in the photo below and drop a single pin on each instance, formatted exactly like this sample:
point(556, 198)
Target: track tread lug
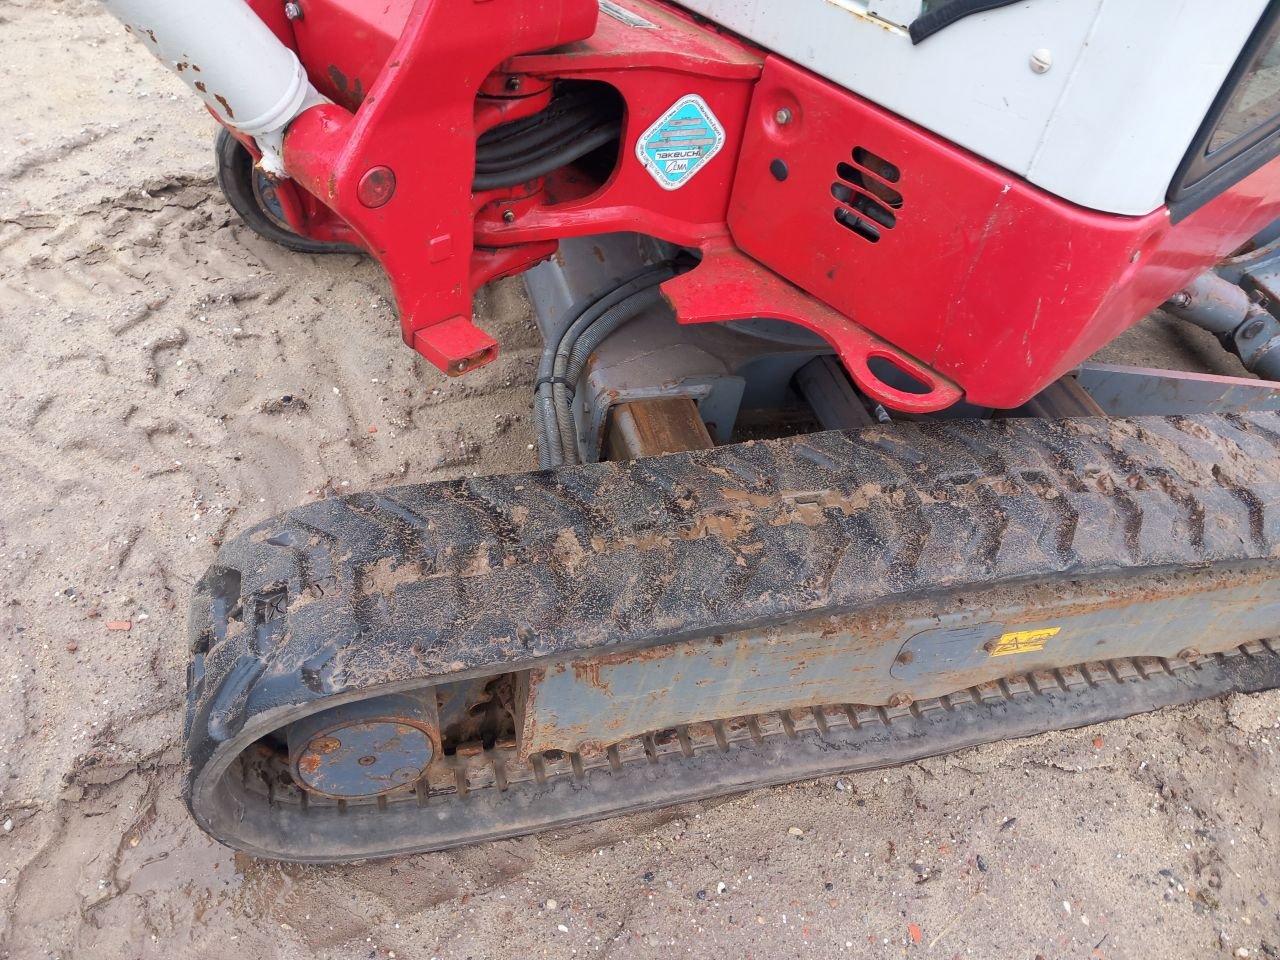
point(423, 581)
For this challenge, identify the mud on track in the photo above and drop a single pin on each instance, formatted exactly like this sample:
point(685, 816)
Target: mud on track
point(150, 343)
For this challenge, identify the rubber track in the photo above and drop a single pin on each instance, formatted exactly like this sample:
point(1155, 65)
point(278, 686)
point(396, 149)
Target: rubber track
point(478, 576)
point(491, 794)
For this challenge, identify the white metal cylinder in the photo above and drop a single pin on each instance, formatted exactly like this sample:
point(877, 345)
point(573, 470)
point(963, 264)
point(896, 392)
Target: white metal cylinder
point(228, 56)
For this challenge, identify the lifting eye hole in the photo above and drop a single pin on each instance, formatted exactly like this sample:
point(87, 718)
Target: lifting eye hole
point(892, 375)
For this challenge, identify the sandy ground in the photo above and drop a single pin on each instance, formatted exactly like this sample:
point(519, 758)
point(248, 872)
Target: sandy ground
point(151, 342)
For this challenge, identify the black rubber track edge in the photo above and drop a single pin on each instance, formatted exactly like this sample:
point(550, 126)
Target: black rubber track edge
point(930, 728)
point(378, 591)
point(233, 166)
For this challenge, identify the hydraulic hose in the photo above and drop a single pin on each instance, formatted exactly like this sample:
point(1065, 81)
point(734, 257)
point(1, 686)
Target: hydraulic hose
point(508, 143)
point(550, 436)
point(592, 337)
point(581, 117)
point(1244, 327)
point(609, 321)
point(551, 157)
point(553, 438)
point(514, 149)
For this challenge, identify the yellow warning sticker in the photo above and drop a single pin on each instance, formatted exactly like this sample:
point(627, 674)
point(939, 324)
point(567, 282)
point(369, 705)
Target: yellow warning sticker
point(1022, 641)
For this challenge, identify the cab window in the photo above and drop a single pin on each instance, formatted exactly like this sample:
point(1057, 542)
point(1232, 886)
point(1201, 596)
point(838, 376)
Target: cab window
point(1242, 130)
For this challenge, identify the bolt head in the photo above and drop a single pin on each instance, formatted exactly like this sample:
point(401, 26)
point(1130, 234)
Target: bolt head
point(783, 117)
point(900, 700)
point(1041, 60)
point(1190, 654)
point(293, 11)
point(508, 216)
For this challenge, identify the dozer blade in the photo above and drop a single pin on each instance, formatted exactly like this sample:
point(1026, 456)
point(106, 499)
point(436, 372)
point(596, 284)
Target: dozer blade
point(432, 665)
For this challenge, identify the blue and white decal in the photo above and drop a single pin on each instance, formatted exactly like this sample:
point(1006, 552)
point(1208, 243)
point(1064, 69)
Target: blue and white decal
point(680, 142)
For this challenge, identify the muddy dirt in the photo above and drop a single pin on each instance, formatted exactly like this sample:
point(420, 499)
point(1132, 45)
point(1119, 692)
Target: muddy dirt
point(168, 378)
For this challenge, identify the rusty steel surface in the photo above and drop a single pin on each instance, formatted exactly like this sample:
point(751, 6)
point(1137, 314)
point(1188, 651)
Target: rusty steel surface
point(894, 655)
point(1125, 391)
point(650, 428)
point(487, 794)
point(486, 576)
point(828, 391)
point(364, 749)
point(1064, 397)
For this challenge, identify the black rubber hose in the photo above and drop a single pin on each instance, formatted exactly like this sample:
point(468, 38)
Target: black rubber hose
point(576, 318)
point(530, 150)
point(592, 328)
point(506, 145)
point(544, 164)
point(511, 150)
point(537, 153)
point(550, 435)
point(576, 103)
point(586, 344)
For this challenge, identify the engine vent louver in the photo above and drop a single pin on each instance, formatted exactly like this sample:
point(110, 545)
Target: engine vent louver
point(867, 202)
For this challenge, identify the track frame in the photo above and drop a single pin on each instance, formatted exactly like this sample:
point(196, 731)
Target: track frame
point(469, 581)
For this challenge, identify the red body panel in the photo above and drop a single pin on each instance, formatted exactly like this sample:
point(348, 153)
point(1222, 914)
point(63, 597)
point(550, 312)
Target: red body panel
point(345, 45)
point(418, 121)
point(989, 280)
point(982, 284)
point(729, 285)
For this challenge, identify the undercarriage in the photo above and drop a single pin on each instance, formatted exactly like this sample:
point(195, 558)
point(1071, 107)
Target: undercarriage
point(436, 664)
point(827, 478)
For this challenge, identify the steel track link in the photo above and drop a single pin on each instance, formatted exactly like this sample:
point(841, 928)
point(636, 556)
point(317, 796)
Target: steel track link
point(356, 596)
point(488, 794)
